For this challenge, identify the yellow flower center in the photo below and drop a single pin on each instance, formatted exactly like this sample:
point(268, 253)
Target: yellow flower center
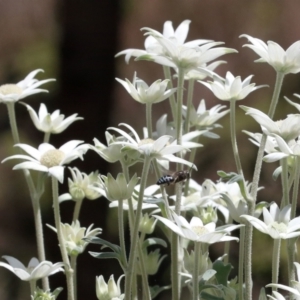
point(10, 88)
point(52, 158)
point(200, 230)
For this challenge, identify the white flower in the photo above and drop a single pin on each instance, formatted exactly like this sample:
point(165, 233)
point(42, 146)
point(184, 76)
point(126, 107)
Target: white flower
point(28, 86)
point(204, 118)
point(292, 148)
point(196, 231)
point(181, 56)
point(35, 270)
point(51, 123)
point(277, 223)
point(178, 36)
point(282, 61)
point(109, 291)
point(255, 138)
point(80, 186)
point(288, 129)
point(141, 92)
point(159, 149)
point(49, 159)
point(116, 189)
point(75, 236)
point(231, 88)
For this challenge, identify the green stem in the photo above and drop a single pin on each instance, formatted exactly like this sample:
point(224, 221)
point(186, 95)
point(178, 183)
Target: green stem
point(47, 137)
point(149, 119)
point(275, 262)
point(32, 286)
point(254, 188)
point(233, 139)
point(74, 267)
point(189, 105)
point(196, 271)
point(77, 208)
point(285, 183)
point(178, 123)
point(241, 263)
point(121, 234)
point(172, 100)
point(68, 270)
point(135, 233)
point(295, 188)
point(34, 195)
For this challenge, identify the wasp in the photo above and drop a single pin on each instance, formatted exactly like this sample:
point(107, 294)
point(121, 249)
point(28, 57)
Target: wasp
point(174, 178)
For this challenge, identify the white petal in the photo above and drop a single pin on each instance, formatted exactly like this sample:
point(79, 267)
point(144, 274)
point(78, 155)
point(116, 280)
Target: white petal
point(57, 172)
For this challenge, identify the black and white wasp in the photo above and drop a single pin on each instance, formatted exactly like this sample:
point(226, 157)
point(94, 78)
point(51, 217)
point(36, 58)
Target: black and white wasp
point(174, 178)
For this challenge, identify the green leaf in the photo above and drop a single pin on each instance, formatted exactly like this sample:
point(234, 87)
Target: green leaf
point(99, 241)
point(223, 271)
point(154, 241)
point(105, 255)
point(155, 290)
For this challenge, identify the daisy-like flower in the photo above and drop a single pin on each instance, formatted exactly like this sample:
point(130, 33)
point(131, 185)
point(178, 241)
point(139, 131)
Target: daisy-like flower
point(277, 223)
point(231, 88)
point(181, 56)
point(26, 87)
point(116, 189)
point(49, 159)
point(282, 61)
point(178, 37)
point(40, 294)
point(142, 93)
point(292, 148)
point(159, 149)
point(203, 118)
point(196, 231)
point(35, 270)
point(110, 290)
point(255, 138)
point(50, 123)
point(152, 261)
point(288, 129)
point(80, 186)
point(75, 237)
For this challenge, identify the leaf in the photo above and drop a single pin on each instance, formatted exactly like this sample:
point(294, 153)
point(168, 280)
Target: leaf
point(105, 255)
point(155, 290)
point(154, 241)
point(222, 271)
point(99, 241)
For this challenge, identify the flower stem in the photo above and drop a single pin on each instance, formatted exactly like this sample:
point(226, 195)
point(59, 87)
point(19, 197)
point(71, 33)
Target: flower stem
point(295, 188)
point(135, 232)
point(63, 250)
point(241, 263)
point(254, 188)
point(178, 121)
point(77, 208)
point(34, 195)
point(196, 271)
point(233, 139)
point(172, 100)
point(74, 267)
point(149, 119)
point(285, 183)
point(189, 105)
point(275, 262)
point(121, 234)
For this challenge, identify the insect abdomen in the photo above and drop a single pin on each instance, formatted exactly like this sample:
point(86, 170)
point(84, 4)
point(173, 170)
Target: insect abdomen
point(167, 180)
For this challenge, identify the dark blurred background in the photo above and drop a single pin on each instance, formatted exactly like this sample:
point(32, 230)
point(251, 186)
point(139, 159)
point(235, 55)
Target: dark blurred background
point(75, 42)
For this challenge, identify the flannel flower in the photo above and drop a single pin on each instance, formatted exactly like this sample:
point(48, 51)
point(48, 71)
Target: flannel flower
point(288, 129)
point(110, 290)
point(203, 118)
point(142, 93)
point(159, 149)
point(178, 36)
point(50, 123)
point(196, 231)
point(35, 270)
point(231, 88)
point(277, 223)
point(75, 236)
point(10, 93)
point(282, 61)
point(80, 186)
point(116, 189)
point(49, 159)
